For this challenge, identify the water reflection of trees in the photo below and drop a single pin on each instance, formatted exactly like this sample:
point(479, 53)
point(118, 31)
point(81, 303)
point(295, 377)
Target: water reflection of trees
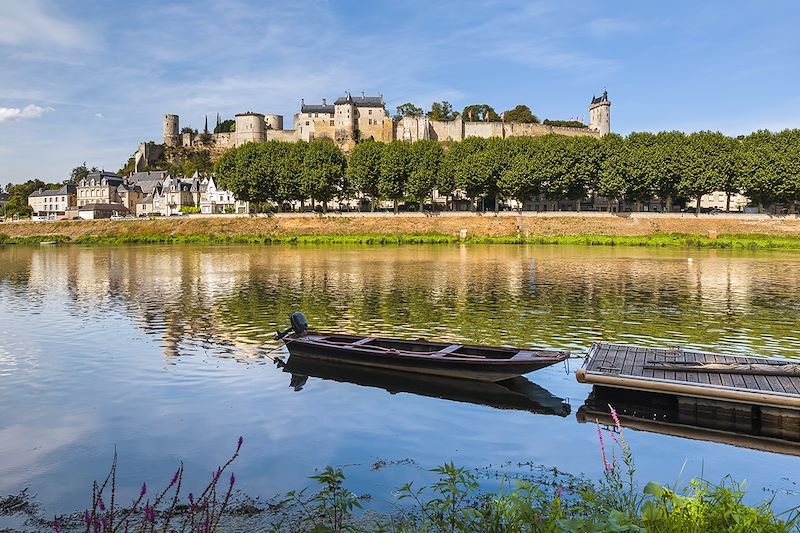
point(231, 299)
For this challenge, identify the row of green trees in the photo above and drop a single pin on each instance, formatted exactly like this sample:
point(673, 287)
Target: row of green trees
point(669, 166)
point(475, 112)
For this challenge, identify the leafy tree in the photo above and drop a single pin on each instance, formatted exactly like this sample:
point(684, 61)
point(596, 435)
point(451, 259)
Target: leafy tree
point(521, 113)
point(613, 168)
point(364, 169)
point(395, 171)
point(188, 129)
point(668, 160)
point(129, 167)
point(710, 164)
point(323, 172)
point(580, 159)
point(289, 172)
point(565, 123)
point(442, 111)
point(641, 168)
point(480, 112)
point(453, 156)
point(225, 126)
point(426, 158)
point(18, 197)
point(409, 110)
point(227, 171)
point(80, 172)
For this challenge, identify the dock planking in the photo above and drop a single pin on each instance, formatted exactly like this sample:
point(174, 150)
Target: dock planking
point(632, 367)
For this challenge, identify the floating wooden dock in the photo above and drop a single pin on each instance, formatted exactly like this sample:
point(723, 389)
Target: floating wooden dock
point(767, 382)
point(769, 429)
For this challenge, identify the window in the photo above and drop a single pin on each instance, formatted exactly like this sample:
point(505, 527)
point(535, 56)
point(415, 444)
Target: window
point(307, 123)
point(331, 123)
point(370, 112)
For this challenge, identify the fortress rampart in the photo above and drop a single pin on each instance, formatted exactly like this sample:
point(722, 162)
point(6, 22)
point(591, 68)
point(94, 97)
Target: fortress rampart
point(350, 119)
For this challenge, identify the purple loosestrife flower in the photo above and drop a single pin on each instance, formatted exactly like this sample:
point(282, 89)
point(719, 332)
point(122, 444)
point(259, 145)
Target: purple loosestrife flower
point(233, 480)
point(615, 417)
point(239, 444)
point(618, 424)
point(144, 490)
point(56, 526)
point(175, 477)
point(101, 504)
point(602, 447)
point(87, 518)
point(559, 492)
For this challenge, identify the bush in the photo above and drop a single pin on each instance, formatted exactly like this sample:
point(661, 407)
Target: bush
point(190, 210)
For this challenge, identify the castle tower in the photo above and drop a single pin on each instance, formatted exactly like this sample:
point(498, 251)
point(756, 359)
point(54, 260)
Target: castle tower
point(274, 122)
point(345, 119)
point(600, 114)
point(250, 127)
point(171, 130)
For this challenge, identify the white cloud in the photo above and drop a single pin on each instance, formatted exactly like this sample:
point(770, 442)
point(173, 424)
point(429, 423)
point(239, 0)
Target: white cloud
point(9, 114)
point(32, 24)
point(99, 115)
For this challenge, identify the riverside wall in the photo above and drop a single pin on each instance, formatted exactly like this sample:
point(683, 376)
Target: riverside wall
point(506, 224)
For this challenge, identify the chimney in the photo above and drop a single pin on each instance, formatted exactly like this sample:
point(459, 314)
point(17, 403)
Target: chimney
point(362, 95)
point(302, 102)
point(324, 102)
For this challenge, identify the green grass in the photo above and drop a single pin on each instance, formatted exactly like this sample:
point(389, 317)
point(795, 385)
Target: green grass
point(660, 240)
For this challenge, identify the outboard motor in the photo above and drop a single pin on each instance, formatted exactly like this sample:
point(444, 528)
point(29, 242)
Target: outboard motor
point(299, 325)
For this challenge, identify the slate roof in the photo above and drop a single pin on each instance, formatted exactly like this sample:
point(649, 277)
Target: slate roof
point(103, 207)
point(602, 98)
point(148, 186)
point(63, 191)
point(147, 176)
point(317, 108)
point(361, 101)
point(111, 179)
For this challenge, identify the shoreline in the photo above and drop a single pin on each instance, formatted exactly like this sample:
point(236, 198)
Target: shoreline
point(638, 229)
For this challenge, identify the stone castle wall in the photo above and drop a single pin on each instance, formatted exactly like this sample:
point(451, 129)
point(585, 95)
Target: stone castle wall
point(350, 122)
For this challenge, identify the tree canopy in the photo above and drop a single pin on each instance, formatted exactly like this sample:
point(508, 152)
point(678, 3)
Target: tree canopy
point(442, 111)
point(520, 113)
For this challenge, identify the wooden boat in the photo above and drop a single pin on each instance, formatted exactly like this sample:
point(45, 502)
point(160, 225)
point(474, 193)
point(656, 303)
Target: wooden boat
point(516, 393)
point(419, 356)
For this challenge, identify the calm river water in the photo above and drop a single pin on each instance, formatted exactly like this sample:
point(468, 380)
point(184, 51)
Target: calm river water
point(162, 353)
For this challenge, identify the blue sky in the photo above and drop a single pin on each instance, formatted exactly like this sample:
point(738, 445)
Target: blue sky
point(87, 81)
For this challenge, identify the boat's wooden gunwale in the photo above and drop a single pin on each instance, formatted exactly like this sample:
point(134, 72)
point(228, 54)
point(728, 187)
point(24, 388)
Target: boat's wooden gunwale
point(509, 355)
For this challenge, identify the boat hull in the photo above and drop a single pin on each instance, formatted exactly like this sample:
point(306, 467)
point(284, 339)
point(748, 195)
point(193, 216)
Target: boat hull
point(474, 368)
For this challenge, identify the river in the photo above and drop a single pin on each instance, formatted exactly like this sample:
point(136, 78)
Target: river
point(165, 354)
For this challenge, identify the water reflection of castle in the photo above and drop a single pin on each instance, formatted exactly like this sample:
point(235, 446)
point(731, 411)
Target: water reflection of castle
point(209, 297)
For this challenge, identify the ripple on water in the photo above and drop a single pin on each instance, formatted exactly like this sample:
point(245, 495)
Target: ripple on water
point(166, 352)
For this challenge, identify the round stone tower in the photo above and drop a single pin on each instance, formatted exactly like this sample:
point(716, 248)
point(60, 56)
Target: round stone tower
point(600, 114)
point(274, 122)
point(172, 130)
point(250, 127)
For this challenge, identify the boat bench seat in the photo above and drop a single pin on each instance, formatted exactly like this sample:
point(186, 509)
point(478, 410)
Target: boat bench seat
point(450, 349)
point(365, 340)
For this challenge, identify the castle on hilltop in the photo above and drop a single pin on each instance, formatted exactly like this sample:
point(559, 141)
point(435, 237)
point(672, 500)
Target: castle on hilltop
point(353, 118)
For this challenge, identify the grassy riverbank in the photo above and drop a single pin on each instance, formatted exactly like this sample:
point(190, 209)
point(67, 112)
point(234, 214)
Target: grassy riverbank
point(756, 233)
point(453, 503)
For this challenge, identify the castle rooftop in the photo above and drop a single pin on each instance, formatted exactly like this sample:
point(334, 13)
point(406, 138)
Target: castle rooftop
point(317, 108)
point(603, 98)
point(361, 101)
